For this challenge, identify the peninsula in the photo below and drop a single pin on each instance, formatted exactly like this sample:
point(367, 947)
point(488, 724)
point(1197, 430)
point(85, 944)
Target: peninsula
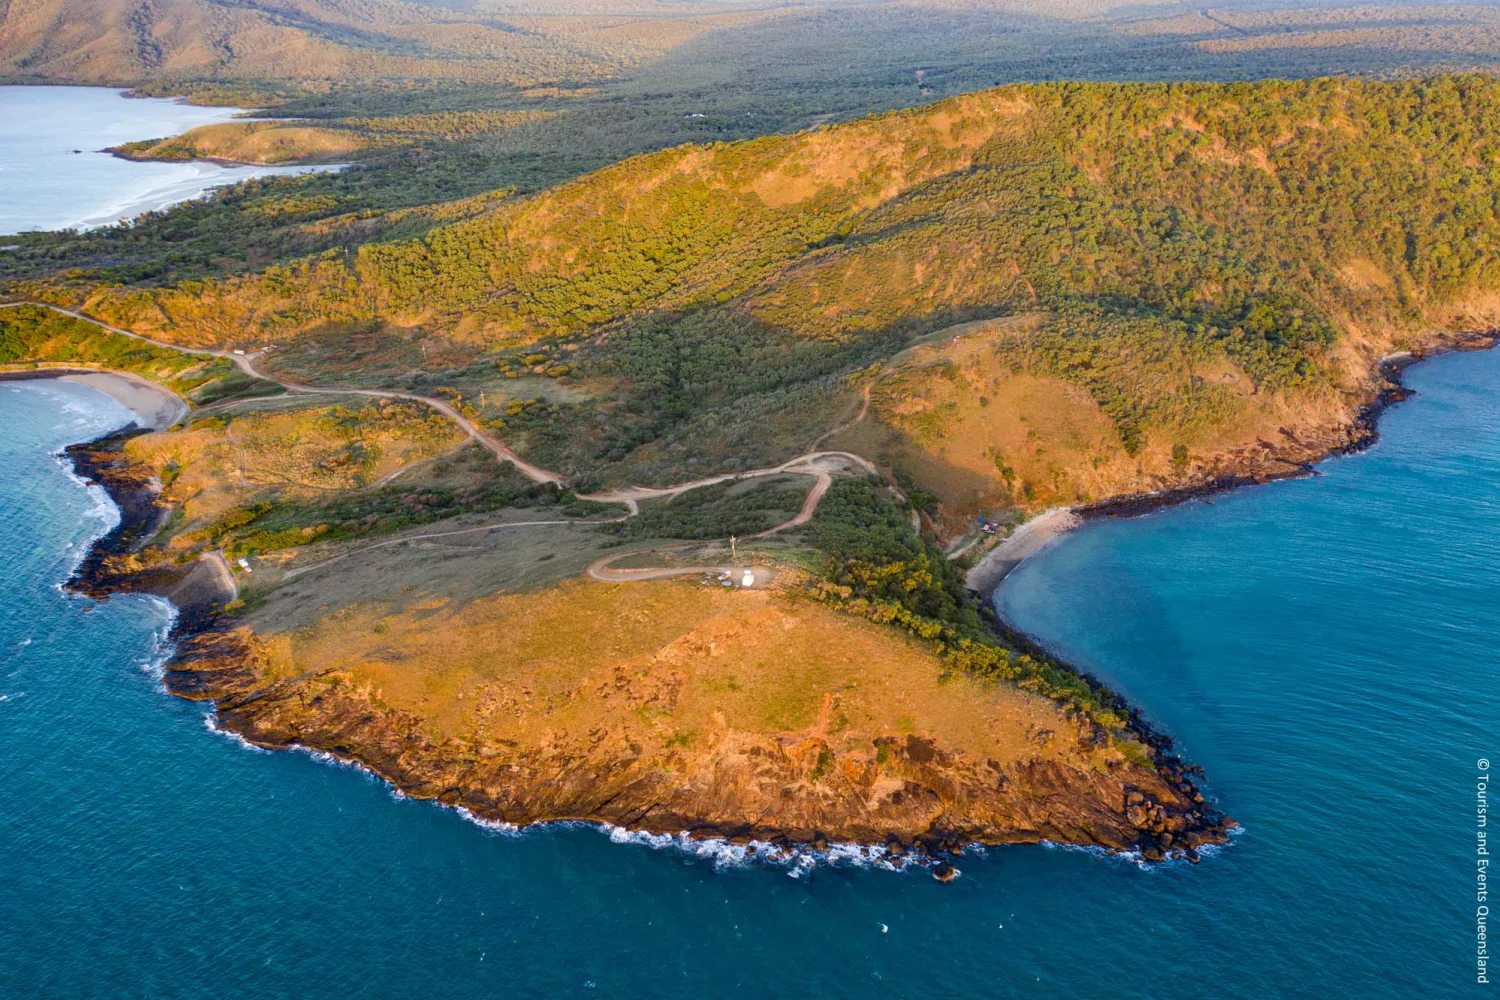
point(481, 501)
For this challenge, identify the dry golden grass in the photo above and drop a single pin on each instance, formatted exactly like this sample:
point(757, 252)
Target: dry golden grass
point(669, 662)
point(258, 142)
point(221, 462)
point(841, 160)
point(984, 438)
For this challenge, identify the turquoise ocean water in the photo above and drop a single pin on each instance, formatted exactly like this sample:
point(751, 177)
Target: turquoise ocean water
point(1325, 648)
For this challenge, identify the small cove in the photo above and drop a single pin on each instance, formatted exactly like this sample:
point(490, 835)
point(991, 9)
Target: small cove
point(54, 175)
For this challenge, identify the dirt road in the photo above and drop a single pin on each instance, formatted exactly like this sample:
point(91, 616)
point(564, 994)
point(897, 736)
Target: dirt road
point(813, 463)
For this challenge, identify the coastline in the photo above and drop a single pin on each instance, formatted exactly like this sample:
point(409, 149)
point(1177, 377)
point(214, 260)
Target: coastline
point(1032, 536)
point(155, 406)
point(197, 590)
point(312, 165)
point(951, 800)
point(1149, 813)
point(1364, 433)
point(212, 663)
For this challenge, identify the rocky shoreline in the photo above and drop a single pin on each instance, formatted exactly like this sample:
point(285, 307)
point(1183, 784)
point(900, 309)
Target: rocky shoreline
point(1358, 436)
point(108, 567)
point(1156, 813)
point(1162, 816)
point(1293, 459)
point(1211, 824)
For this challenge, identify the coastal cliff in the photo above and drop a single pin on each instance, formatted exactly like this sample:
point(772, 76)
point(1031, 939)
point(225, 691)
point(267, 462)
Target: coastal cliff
point(583, 752)
point(1055, 776)
point(803, 788)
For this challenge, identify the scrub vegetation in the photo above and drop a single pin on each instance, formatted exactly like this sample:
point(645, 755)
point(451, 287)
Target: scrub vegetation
point(33, 337)
point(1202, 263)
point(730, 508)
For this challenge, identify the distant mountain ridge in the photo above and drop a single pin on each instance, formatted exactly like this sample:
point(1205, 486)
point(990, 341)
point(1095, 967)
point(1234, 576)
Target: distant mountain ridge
point(332, 41)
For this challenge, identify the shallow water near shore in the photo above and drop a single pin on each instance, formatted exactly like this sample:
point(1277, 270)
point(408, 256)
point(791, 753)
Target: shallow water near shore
point(54, 175)
point(1323, 647)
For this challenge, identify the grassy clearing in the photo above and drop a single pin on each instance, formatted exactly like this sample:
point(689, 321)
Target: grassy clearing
point(414, 569)
point(668, 663)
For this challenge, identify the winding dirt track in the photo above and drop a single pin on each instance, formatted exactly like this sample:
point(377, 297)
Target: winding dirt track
point(630, 496)
point(246, 364)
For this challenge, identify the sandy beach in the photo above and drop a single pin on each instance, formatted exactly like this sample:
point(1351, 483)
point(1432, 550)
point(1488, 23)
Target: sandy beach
point(1026, 541)
point(155, 407)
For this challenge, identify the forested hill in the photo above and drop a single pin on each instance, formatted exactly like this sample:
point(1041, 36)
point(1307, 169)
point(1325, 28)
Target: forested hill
point(1265, 215)
point(1197, 270)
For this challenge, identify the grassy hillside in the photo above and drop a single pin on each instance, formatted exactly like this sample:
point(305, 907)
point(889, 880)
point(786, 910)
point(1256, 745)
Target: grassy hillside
point(1204, 264)
point(670, 74)
point(1188, 199)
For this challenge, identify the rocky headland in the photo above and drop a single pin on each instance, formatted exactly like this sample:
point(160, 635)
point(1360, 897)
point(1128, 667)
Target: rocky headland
point(923, 790)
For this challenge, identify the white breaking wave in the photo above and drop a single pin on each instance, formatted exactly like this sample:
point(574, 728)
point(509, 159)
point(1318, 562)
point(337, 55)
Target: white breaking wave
point(491, 825)
point(1173, 859)
point(211, 723)
point(799, 859)
point(163, 647)
point(324, 757)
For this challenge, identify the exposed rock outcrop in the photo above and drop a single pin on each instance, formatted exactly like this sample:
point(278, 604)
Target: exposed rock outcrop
point(912, 789)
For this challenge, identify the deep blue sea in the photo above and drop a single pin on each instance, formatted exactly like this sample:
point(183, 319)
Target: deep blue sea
point(1324, 647)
